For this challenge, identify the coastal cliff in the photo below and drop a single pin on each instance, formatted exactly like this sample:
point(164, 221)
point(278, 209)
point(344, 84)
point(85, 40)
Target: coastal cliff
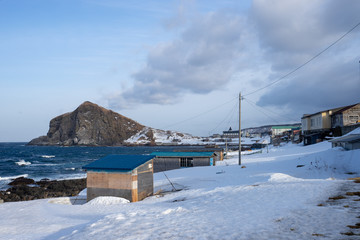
point(89, 125)
point(92, 125)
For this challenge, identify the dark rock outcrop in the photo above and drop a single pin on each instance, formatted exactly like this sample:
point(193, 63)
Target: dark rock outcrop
point(89, 125)
point(43, 189)
point(21, 181)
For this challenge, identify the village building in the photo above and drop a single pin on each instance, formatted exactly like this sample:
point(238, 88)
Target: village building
point(325, 121)
point(283, 133)
point(335, 121)
point(231, 133)
point(280, 130)
point(346, 119)
point(126, 176)
point(165, 161)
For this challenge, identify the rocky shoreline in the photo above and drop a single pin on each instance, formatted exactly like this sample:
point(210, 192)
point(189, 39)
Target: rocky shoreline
point(24, 189)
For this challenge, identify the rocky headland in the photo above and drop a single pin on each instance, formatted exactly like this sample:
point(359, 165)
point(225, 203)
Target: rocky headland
point(93, 125)
point(89, 125)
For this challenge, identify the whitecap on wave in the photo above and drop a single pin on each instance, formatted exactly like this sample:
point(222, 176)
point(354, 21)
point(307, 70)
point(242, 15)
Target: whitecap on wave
point(22, 163)
point(13, 177)
point(47, 156)
point(45, 164)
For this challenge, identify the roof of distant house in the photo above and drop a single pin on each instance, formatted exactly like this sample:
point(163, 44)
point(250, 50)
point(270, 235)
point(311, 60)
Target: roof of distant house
point(122, 163)
point(334, 110)
point(285, 127)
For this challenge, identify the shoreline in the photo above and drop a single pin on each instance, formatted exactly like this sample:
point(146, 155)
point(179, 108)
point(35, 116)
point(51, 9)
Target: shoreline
point(25, 189)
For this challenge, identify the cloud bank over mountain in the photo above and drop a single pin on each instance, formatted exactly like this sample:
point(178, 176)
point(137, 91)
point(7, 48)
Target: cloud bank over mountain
point(214, 46)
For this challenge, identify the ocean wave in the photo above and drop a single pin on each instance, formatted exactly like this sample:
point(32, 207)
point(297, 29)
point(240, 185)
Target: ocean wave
point(47, 156)
point(22, 163)
point(45, 164)
point(72, 168)
point(13, 177)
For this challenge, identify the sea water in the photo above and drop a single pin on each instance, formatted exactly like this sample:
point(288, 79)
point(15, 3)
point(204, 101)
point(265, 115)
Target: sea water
point(54, 162)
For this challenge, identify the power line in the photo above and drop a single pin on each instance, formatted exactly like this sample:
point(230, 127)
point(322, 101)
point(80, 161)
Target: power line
point(282, 116)
point(200, 114)
point(229, 115)
point(261, 110)
point(304, 64)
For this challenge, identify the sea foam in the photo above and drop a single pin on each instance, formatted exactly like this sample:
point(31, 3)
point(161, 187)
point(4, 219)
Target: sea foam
point(22, 163)
point(13, 177)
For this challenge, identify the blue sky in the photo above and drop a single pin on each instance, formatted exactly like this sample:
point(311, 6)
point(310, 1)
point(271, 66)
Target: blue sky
point(164, 62)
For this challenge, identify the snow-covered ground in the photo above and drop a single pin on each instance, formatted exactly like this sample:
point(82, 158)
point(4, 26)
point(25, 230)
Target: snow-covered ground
point(161, 137)
point(280, 194)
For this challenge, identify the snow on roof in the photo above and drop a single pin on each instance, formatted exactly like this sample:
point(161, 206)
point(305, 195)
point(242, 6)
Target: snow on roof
point(355, 131)
point(352, 136)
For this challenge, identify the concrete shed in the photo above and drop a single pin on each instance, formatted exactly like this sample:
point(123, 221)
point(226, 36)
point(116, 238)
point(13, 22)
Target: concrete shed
point(126, 176)
point(165, 161)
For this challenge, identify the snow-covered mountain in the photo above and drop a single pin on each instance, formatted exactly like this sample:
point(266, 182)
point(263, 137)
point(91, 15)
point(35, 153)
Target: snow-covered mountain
point(151, 136)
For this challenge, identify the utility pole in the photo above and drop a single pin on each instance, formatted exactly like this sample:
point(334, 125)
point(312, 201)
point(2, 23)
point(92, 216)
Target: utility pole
point(240, 128)
point(226, 149)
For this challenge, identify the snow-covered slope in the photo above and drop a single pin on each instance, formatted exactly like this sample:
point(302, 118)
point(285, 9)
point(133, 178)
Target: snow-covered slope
point(160, 137)
point(282, 194)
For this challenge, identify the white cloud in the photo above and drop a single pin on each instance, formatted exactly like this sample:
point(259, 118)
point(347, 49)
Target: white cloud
point(201, 60)
point(273, 38)
point(295, 31)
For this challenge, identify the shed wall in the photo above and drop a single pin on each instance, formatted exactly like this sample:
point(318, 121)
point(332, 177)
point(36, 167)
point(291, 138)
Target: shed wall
point(109, 180)
point(203, 161)
point(97, 192)
point(145, 180)
point(109, 184)
point(170, 163)
point(166, 163)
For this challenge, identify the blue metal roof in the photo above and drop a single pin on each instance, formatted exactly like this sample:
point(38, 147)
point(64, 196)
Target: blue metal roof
point(183, 154)
point(122, 163)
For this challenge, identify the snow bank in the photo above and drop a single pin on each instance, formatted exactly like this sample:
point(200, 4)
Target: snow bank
point(107, 201)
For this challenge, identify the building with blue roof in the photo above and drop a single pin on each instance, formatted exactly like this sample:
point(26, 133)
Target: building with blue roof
point(165, 161)
point(126, 176)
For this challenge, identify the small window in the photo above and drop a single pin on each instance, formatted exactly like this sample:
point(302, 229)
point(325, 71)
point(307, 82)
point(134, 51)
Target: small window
point(353, 118)
point(312, 122)
point(186, 162)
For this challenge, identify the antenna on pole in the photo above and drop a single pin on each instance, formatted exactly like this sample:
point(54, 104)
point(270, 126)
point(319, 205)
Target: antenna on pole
point(240, 128)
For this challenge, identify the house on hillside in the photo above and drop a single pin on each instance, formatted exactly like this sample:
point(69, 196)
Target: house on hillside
point(126, 176)
point(165, 161)
point(337, 120)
